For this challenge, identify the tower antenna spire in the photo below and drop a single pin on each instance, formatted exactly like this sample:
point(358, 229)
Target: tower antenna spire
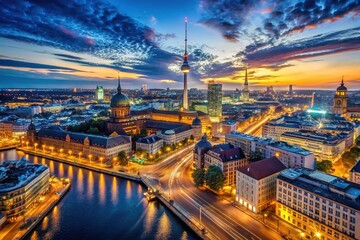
point(342, 80)
point(119, 86)
point(186, 21)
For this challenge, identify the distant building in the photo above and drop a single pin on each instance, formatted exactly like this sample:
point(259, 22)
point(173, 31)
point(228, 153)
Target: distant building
point(355, 173)
point(256, 183)
point(321, 205)
point(290, 156)
point(150, 144)
point(214, 101)
point(13, 129)
point(246, 92)
point(21, 185)
point(275, 130)
point(324, 146)
point(228, 126)
point(228, 158)
point(340, 99)
point(99, 93)
point(290, 89)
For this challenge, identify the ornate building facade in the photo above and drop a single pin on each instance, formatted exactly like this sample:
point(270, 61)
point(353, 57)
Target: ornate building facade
point(340, 99)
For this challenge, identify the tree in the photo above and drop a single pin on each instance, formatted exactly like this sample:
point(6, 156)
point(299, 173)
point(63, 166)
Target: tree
point(93, 130)
point(199, 177)
point(192, 137)
point(123, 159)
point(348, 159)
point(143, 132)
point(214, 178)
point(355, 151)
point(325, 166)
point(256, 155)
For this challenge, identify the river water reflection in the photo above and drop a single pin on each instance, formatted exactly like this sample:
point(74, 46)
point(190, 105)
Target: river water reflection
point(99, 206)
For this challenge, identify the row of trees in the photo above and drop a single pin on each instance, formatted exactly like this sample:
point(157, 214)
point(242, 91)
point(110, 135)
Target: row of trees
point(97, 127)
point(348, 159)
point(212, 177)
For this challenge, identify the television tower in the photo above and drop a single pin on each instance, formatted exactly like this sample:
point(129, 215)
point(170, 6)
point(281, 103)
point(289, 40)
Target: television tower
point(246, 92)
point(185, 68)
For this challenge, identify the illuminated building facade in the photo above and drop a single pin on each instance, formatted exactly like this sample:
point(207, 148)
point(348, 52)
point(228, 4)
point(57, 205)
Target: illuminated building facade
point(321, 205)
point(201, 147)
point(340, 99)
point(228, 158)
point(256, 184)
point(324, 146)
point(214, 97)
point(21, 185)
point(93, 147)
point(289, 155)
point(150, 144)
point(355, 173)
point(99, 93)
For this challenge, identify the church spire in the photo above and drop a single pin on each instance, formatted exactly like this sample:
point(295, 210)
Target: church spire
point(342, 81)
point(119, 86)
point(246, 76)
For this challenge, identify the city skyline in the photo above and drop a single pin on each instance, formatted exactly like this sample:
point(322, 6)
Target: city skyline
point(83, 44)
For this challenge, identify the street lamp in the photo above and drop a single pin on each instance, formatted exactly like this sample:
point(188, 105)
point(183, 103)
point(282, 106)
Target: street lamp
point(52, 149)
point(302, 234)
point(90, 156)
point(80, 153)
point(43, 146)
point(70, 152)
point(35, 145)
point(101, 159)
point(318, 235)
point(27, 144)
point(61, 150)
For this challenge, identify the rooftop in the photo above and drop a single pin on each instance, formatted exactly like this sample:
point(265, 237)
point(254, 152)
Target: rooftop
point(149, 139)
point(16, 174)
point(227, 152)
point(356, 167)
point(263, 168)
point(324, 185)
point(325, 138)
point(290, 148)
point(56, 132)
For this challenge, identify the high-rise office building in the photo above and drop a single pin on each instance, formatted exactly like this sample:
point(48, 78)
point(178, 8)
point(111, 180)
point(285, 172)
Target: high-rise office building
point(99, 93)
point(214, 100)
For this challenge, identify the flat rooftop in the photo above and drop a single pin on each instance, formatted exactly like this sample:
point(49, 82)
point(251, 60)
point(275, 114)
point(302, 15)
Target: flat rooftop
point(325, 185)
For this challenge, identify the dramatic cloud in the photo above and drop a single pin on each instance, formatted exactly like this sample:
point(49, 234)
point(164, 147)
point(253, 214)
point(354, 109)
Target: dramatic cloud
point(93, 27)
point(226, 16)
point(324, 44)
point(21, 64)
point(281, 17)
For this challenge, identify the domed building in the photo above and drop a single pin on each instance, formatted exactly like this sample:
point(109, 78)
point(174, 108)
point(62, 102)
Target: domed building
point(340, 99)
point(196, 125)
point(120, 117)
point(200, 149)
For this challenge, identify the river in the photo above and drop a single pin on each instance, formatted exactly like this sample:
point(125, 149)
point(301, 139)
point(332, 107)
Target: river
point(99, 206)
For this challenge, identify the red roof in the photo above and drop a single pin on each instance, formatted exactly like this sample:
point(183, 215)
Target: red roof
point(263, 168)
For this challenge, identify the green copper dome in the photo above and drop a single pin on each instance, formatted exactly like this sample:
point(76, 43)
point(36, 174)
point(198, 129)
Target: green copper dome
point(119, 99)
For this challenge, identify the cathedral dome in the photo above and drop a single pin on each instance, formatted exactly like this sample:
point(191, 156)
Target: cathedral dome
point(119, 99)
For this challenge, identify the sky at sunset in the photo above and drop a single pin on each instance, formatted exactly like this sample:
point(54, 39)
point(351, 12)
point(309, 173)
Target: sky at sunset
point(65, 44)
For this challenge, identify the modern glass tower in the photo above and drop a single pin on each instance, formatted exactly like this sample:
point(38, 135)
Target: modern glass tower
point(214, 100)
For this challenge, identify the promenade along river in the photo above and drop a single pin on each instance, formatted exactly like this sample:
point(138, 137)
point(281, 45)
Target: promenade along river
point(99, 206)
